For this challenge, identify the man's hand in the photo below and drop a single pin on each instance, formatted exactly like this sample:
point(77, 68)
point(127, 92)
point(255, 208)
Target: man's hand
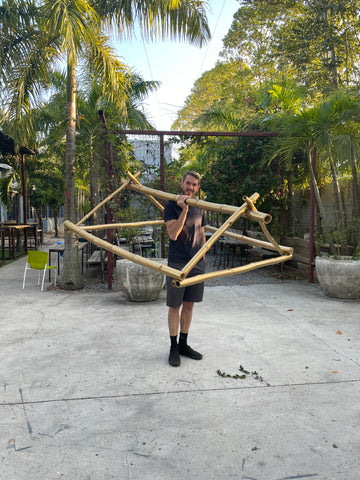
point(181, 201)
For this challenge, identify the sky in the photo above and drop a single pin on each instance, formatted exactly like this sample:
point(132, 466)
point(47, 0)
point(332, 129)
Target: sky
point(177, 65)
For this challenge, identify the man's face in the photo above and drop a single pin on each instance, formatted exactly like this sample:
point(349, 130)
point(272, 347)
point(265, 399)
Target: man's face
point(190, 185)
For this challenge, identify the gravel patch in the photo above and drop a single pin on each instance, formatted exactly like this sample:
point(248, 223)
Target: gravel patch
point(260, 276)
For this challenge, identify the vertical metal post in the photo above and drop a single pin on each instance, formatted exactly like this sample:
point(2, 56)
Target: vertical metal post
point(162, 187)
point(24, 195)
point(110, 256)
point(312, 219)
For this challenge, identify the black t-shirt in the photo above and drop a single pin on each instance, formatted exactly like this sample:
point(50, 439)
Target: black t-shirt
point(189, 240)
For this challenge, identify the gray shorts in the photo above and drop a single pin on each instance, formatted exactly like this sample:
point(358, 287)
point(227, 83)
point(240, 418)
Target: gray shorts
point(193, 293)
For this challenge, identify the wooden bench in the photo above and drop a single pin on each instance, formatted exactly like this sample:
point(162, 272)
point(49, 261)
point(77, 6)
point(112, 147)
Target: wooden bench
point(98, 257)
point(260, 252)
point(301, 254)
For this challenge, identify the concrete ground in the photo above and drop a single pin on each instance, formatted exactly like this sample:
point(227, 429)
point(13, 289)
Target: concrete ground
point(87, 393)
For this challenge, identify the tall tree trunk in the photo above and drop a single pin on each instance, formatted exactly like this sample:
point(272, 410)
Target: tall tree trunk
point(339, 210)
point(315, 185)
point(356, 200)
point(291, 199)
point(56, 217)
point(329, 39)
point(340, 214)
point(71, 278)
point(40, 220)
point(355, 186)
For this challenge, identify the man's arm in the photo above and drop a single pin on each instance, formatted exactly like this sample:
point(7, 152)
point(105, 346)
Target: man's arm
point(203, 241)
point(174, 227)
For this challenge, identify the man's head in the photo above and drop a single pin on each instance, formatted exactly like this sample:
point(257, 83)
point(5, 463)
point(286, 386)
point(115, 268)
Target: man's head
point(190, 183)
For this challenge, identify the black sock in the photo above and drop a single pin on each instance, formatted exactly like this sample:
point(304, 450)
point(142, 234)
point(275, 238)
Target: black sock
point(173, 341)
point(183, 339)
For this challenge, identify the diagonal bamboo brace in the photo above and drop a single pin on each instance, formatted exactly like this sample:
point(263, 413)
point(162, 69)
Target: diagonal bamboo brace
point(150, 197)
point(268, 235)
point(231, 271)
point(254, 241)
point(125, 183)
point(206, 247)
point(165, 269)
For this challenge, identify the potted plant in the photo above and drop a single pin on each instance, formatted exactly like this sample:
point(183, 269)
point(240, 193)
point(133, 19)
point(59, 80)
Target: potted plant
point(338, 269)
point(139, 283)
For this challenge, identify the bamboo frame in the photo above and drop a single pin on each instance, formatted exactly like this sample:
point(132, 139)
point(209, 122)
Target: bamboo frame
point(107, 226)
point(248, 210)
point(165, 269)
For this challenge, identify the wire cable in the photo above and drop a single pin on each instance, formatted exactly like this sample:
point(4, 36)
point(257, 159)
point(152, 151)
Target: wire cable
point(212, 36)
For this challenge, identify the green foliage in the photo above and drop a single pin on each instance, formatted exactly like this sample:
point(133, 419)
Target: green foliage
point(126, 215)
point(242, 376)
point(237, 170)
point(45, 182)
point(220, 99)
point(313, 42)
point(7, 181)
point(252, 37)
point(356, 254)
point(341, 241)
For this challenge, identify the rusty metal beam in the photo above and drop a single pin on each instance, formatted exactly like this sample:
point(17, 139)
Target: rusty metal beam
point(179, 133)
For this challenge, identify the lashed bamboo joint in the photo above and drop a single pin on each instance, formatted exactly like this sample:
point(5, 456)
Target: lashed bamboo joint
point(247, 210)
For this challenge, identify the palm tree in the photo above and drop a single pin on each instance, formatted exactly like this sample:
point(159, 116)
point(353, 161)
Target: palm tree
point(44, 32)
point(324, 131)
point(90, 102)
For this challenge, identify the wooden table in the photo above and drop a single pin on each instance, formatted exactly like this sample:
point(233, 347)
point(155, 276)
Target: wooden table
point(231, 248)
point(9, 234)
point(83, 247)
point(144, 243)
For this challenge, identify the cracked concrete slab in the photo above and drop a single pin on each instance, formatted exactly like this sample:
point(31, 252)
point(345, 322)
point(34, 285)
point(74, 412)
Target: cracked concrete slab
point(86, 391)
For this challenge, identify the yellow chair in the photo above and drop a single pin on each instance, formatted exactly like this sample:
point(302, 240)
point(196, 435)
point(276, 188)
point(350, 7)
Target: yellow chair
point(38, 261)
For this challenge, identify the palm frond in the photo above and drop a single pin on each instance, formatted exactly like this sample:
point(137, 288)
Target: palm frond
point(176, 19)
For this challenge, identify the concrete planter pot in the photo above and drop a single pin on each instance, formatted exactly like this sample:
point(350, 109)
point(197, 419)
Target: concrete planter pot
point(339, 278)
point(140, 284)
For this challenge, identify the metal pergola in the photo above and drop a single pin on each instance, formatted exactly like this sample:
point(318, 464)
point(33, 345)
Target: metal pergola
point(173, 133)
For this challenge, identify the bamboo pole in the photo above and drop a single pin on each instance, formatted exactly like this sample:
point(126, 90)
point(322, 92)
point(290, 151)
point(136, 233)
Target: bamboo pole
point(150, 197)
point(231, 271)
point(206, 247)
point(250, 203)
point(253, 241)
point(165, 269)
point(107, 226)
point(215, 207)
point(270, 238)
point(125, 183)
point(252, 212)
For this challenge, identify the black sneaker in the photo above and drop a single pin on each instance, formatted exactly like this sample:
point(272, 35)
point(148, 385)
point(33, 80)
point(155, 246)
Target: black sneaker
point(189, 352)
point(174, 357)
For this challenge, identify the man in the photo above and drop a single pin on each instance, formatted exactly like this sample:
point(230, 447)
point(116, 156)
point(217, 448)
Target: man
point(185, 226)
